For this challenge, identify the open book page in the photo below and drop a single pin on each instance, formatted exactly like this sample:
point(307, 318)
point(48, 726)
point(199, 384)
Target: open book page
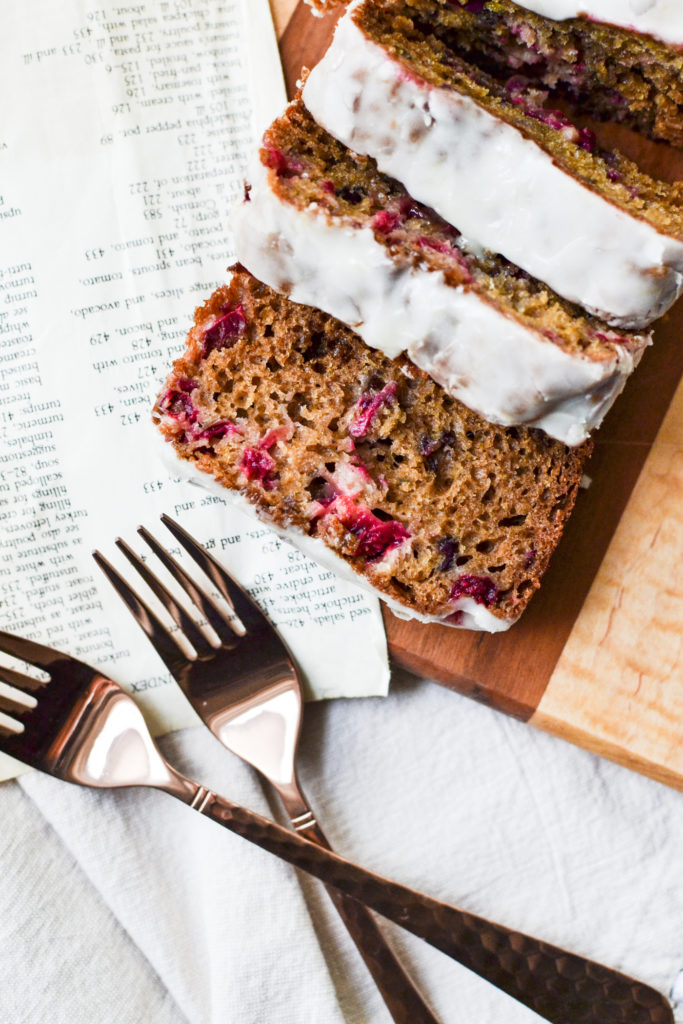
point(121, 152)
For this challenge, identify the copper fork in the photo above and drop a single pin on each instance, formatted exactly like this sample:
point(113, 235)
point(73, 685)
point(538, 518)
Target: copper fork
point(248, 692)
point(560, 986)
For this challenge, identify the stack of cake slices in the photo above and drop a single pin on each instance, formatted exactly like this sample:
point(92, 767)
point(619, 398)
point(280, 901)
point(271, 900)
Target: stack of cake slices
point(444, 283)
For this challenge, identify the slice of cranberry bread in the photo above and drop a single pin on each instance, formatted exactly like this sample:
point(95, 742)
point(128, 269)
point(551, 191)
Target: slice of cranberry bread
point(406, 82)
point(620, 61)
point(448, 517)
point(325, 226)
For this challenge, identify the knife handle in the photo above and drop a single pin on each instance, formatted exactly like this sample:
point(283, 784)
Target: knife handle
point(562, 987)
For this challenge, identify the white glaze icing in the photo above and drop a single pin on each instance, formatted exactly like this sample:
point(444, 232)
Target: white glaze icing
point(474, 616)
point(662, 19)
point(494, 364)
point(496, 186)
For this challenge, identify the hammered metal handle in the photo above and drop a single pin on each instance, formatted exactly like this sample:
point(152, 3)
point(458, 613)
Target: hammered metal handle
point(399, 992)
point(560, 986)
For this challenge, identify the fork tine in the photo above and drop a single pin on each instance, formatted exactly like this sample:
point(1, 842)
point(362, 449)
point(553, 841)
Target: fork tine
point(221, 626)
point(246, 609)
point(13, 704)
point(9, 730)
point(29, 651)
point(161, 639)
point(20, 681)
point(175, 610)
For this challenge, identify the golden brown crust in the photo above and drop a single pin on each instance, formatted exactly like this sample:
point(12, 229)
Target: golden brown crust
point(415, 492)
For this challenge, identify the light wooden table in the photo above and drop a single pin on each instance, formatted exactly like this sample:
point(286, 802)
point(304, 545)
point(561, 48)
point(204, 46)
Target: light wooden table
point(282, 12)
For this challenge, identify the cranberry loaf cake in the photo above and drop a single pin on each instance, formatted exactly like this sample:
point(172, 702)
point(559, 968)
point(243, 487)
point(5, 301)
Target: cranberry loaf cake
point(619, 59)
point(323, 225)
point(367, 460)
point(427, 89)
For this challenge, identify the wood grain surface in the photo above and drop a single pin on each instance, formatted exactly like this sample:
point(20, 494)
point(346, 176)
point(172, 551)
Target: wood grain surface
point(597, 658)
point(617, 687)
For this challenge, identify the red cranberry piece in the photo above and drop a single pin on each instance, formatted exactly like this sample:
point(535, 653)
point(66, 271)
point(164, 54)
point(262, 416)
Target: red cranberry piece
point(386, 221)
point(375, 536)
point(284, 164)
point(436, 244)
point(480, 588)
point(553, 118)
point(367, 407)
point(218, 430)
point(446, 249)
point(275, 434)
point(176, 401)
point(410, 210)
point(530, 558)
point(517, 87)
point(225, 331)
point(257, 464)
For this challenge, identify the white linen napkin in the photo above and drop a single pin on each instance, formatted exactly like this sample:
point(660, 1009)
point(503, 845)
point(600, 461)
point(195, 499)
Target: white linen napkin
point(124, 908)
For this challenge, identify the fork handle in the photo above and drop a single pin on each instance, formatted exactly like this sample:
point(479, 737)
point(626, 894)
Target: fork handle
point(399, 992)
point(560, 986)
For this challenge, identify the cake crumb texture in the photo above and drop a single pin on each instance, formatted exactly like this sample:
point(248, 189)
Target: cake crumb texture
point(419, 495)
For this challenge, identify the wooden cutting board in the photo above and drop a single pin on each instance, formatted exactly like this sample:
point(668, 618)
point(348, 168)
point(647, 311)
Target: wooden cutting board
point(598, 656)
